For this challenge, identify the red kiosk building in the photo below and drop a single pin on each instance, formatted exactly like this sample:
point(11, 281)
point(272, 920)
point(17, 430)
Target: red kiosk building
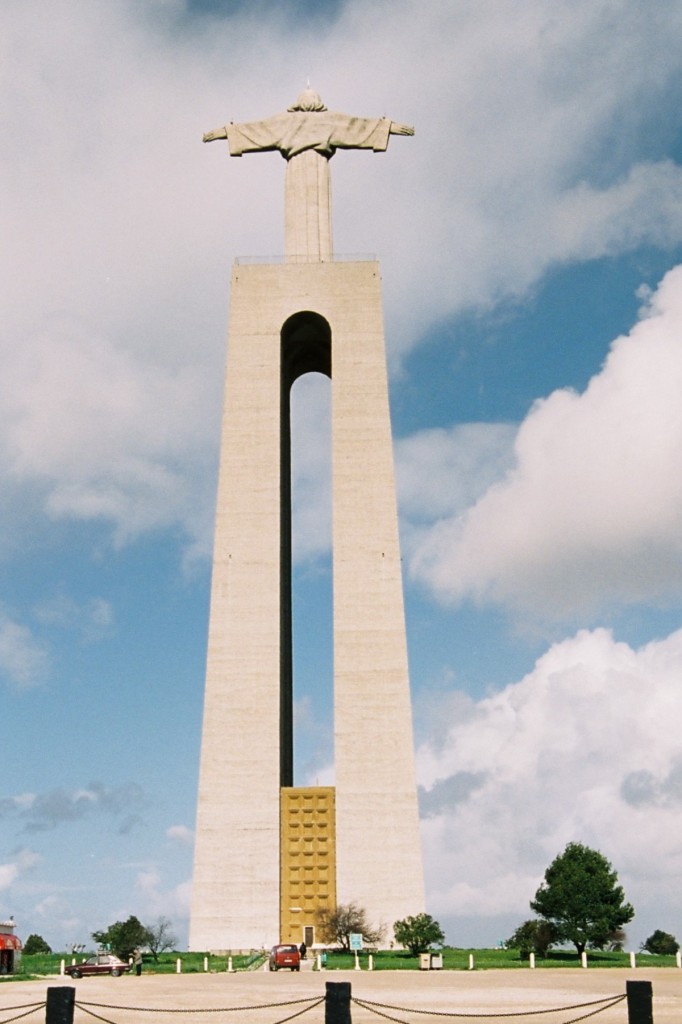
point(10, 947)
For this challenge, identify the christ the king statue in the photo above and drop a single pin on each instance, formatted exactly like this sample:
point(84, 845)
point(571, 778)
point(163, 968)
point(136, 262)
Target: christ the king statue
point(307, 136)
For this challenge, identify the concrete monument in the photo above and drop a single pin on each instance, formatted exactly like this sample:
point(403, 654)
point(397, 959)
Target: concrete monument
point(270, 855)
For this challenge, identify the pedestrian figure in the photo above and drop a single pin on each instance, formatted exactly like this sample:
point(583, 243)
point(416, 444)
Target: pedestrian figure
point(137, 961)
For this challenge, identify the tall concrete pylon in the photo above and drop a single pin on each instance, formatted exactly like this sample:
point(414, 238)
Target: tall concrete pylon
point(269, 855)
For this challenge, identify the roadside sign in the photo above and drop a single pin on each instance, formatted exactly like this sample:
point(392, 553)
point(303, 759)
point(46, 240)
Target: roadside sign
point(355, 941)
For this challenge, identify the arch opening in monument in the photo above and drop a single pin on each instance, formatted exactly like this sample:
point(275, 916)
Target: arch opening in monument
point(305, 348)
point(312, 602)
point(308, 814)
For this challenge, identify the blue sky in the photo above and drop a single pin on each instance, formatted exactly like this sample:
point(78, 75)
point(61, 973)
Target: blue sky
point(530, 237)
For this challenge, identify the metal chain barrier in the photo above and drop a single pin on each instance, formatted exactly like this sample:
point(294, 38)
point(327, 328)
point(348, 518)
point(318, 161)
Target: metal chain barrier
point(311, 1003)
point(28, 1007)
point(207, 1009)
point(97, 1016)
point(601, 1005)
point(299, 1013)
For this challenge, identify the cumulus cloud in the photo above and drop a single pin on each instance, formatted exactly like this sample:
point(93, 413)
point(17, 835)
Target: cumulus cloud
point(157, 901)
point(586, 747)
point(592, 509)
point(441, 472)
point(180, 834)
point(103, 434)
point(24, 659)
point(315, 743)
point(40, 812)
point(91, 619)
point(22, 862)
point(55, 908)
point(311, 466)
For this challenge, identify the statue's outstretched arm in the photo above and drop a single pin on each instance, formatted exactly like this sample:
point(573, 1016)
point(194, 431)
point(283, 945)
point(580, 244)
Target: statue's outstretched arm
point(219, 133)
point(400, 129)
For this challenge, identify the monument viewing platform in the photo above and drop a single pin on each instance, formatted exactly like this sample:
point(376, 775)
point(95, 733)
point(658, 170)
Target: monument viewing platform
point(353, 257)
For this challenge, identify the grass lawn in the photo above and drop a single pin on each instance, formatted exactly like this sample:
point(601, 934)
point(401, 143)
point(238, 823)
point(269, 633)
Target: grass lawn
point(43, 964)
point(453, 960)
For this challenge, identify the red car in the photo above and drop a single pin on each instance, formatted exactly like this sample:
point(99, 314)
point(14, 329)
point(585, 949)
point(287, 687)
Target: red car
point(101, 963)
point(285, 956)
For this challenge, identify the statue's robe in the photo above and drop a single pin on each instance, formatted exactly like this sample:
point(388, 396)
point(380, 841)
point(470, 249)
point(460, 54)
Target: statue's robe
point(307, 140)
point(297, 131)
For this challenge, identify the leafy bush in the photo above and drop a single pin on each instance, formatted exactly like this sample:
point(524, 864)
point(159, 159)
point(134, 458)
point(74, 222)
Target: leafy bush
point(123, 937)
point(533, 936)
point(36, 944)
point(418, 933)
point(661, 942)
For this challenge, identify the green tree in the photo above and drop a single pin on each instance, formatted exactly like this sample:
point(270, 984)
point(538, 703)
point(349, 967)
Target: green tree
point(123, 936)
point(36, 944)
point(581, 898)
point(661, 942)
point(532, 936)
point(418, 933)
point(160, 937)
point(337, 924)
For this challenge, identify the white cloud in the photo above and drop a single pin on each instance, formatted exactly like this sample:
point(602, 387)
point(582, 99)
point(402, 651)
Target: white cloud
point(592, 510)
point(45, 811)
point(105, 434)
point(91, 619)
point(441, 472)
point(24, 660)
point(180, 834)
point(314, 743)
point(311, 466)
point(156, 901)
point(586, 747)
point(22, 862)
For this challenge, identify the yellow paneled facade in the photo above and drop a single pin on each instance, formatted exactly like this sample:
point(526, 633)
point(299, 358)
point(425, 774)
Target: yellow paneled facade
point(308, 860)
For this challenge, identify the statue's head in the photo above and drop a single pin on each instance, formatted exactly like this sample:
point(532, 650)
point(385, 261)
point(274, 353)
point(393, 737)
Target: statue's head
point(308, 100)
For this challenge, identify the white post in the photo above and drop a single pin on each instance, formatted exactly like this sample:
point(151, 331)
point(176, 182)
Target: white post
point(229, 965)
point(319, 962)
point(632, 960)
point(471, 961)
point(205, 964)
point(531, 961)
point(370, 962)
point(583, 959)
point(678, 958)
point(62, 965)
point(357, 962)
point(178, 966)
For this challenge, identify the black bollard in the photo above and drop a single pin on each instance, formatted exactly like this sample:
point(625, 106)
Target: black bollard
point(337, 1003)
point(59, 1005)
point(640, 1002)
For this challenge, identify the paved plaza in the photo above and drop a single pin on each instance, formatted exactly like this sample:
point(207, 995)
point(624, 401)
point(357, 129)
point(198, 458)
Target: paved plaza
point(455, 992)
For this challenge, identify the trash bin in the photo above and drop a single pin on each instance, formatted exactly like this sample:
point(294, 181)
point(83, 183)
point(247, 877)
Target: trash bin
point(436, 961)
point(424, 961)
